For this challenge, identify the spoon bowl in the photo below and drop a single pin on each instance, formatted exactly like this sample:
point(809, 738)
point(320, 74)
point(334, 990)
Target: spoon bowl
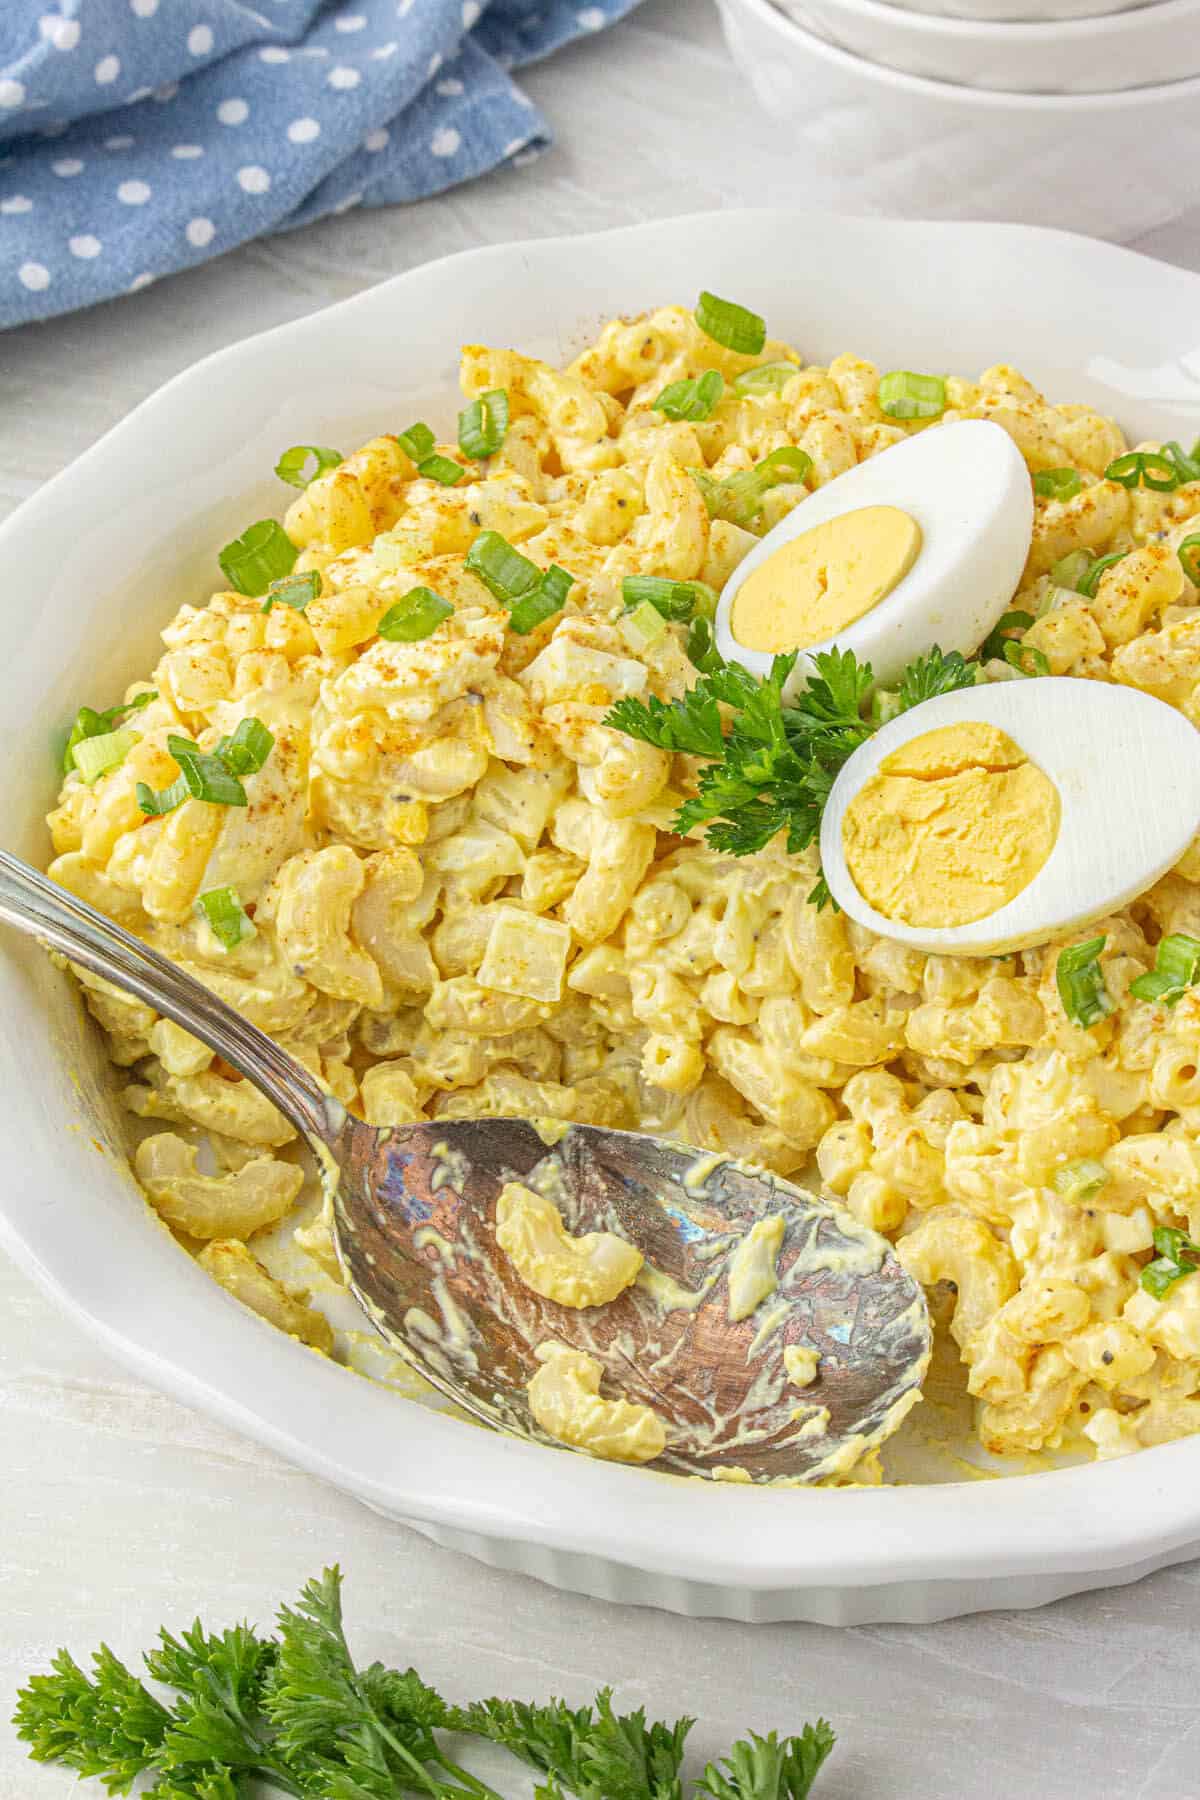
point(413, 1217)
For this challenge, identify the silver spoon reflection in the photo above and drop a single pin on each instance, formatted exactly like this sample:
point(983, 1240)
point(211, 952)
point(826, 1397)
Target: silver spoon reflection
point(413, 1215)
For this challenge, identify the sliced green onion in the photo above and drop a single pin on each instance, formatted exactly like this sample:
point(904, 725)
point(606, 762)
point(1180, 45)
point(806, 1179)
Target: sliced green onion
point(701, 648)
point(247, 750)
point(505, 573)
point(1189, 556)
point(294, 590)
point(903, 395)
point(691, 400)
point(1144, 468)
point(264, 553)
point(1026, 659)
point(154, 803)
point(1078, 1181)
point(994, 644)
point(676, 600)
point(292, 466)
point(1091, 581)
point(482, 425)
point(207, 776)
point(227, 918)
point(95, 756)
point(417, 442)
point(734, 327)
point(1069, 570)
point(90, 724)
point(1186, 463)
point(442, 469)
point(1081, 985)
point(546, 599)
point(1176, 967)
point(767, 378)
point(645, 624)
point(1177, 1256)
point(419, 613)
point(533, 610)
point(738, 498)
point(1057, 484)
point(884, 705)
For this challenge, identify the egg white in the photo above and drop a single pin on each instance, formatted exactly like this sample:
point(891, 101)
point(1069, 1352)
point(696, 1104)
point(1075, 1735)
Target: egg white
point(968, 488)
point(1127, 770)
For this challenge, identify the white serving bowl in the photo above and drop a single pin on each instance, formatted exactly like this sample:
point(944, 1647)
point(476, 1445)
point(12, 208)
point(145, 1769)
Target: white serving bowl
point(98, 559)
point(871, 139)
point(1080, 56)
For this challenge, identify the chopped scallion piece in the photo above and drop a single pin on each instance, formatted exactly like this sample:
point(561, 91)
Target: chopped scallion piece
point(227, 919)
point(767, 378)
point(903, 395)
point(1081, 985)
point(417, 442)
point(1078, 1181)
point(734, 327)
point(482, 425)
point(1178, 1255)
point(676, 600)
point(292, 466)
point(294, 590)
point(996, 642)
point(692, 400)
point(90, 724)
point(505, 573)
point(1088, 583)
point(442, 469)
point(1144, 468)
point(95, 756)
point(884, 705)
point(546, 599)
point(247, 750)
point(164, 800)
point(207, 776)
point(264, 553)
point(1186, 463)
point(1057, 484)
point(1026, 659)
point(1189, 556)
point(419, 613)
point(1070, 570)
point(1176, 968)
point(644, 625)
point(701, 649)
point(738, 498)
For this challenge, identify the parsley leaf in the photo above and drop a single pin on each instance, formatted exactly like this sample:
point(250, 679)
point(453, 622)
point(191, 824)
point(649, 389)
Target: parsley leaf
point(933, 674)
point(691, 724)
point(295, 1711)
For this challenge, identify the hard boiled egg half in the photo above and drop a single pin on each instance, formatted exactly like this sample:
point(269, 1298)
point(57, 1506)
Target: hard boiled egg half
point(923, 544)
point(993, 818)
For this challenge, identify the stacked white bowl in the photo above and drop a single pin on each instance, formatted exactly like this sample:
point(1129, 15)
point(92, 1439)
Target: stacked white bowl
point(1075, 113)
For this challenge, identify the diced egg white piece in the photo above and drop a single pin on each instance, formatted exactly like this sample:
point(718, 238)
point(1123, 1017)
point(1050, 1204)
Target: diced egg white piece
point(1127, 771)
point(967, 487)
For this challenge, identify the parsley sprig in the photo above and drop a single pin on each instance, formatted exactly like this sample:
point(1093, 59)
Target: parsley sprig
point(295, 1711)
point(774, 767)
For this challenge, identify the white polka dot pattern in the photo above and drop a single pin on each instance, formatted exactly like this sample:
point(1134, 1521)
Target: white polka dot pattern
point(187, 127)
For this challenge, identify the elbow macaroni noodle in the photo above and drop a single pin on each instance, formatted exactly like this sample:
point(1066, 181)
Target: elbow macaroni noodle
point(466, 902)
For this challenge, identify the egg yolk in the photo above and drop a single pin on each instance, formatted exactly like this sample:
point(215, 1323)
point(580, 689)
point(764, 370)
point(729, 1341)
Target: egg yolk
point(951, 827)
point(824, 579)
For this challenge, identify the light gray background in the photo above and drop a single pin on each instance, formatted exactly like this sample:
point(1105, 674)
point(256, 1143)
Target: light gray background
point(120, 1509)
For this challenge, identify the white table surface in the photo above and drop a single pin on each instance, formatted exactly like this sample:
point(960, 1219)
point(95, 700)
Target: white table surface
point(120, 1509)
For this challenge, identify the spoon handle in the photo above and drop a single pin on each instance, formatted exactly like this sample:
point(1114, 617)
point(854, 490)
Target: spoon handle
point(47, 912)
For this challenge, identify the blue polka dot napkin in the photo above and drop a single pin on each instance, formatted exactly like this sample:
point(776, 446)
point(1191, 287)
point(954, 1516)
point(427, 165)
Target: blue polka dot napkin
point(140, 136)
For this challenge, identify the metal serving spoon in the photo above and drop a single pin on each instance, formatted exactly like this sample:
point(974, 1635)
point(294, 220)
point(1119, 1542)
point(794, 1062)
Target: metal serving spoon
point(414, 1225)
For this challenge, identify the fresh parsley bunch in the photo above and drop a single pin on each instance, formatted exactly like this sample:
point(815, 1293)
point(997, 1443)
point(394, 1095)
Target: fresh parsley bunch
point(773, 769)
point(295, 1711)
